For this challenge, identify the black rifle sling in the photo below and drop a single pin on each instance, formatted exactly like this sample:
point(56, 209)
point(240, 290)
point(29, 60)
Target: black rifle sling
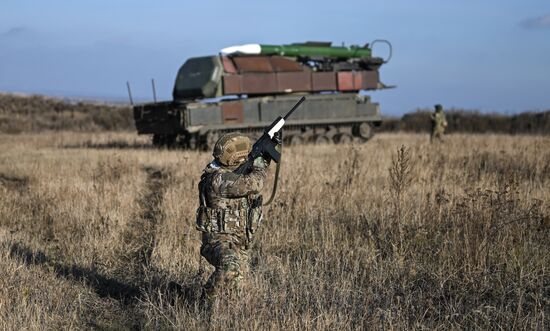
point(275, 182)
point(276, 179)
point(202, 198)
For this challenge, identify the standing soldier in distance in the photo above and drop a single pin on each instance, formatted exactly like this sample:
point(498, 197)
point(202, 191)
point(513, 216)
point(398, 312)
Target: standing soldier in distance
point(230, 211)
point(439, 123)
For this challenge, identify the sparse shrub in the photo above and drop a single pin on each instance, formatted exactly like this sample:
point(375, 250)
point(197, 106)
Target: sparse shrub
point(400, 179)
point(400, 173)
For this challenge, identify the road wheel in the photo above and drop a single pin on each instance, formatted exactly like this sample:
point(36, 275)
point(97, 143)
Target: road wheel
point(294, 140)
point(164, 140)
point(191, 142)
point(170, 140)
point(342, 138)
point(210, 139)
point(157, 140)
point(321, 139)
point(363, 130)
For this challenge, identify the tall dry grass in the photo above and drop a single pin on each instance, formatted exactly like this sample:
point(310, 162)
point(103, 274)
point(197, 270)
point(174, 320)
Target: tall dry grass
point(97, 231)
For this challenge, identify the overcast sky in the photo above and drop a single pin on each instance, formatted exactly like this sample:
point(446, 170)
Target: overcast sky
point(491, 55)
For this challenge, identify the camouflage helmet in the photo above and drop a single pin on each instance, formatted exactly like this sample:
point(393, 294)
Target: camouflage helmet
point(232, 149)
point(438, 107)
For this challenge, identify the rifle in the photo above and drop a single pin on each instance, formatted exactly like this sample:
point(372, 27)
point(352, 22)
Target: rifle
point(265, 146)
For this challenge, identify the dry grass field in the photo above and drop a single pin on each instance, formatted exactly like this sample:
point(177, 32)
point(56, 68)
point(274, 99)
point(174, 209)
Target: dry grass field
point(97, 232)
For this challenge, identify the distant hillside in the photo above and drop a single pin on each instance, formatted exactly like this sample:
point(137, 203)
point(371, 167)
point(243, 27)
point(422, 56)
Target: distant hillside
point(20, 113)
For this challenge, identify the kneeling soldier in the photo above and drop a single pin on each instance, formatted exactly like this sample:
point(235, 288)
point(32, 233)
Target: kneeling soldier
point(229, 211)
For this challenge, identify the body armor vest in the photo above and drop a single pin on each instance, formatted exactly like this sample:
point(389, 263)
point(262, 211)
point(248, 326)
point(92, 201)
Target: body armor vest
point(227, 215)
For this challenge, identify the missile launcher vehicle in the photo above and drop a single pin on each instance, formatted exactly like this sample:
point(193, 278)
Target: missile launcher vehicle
point(246, 87)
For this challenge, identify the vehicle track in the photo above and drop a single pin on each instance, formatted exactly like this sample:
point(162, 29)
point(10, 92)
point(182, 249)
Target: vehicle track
point(138, 243)
point(133, 275)
point(155, 186)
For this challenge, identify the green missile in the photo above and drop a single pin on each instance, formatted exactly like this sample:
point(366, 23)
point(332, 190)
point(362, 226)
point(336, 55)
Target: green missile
point(302, 50)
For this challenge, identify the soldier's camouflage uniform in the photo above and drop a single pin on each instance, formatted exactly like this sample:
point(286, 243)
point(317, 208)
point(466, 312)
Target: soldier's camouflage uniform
point(439, 123)
point(228, 215)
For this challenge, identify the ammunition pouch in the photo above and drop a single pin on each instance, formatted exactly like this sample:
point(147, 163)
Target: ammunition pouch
point(254, 215)
point(221, 220)
point(203, 219)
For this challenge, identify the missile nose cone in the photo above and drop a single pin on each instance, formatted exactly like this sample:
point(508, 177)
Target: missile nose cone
point(243, 49)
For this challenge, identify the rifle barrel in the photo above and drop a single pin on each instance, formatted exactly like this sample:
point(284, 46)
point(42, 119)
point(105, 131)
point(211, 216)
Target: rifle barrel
point(294, 108)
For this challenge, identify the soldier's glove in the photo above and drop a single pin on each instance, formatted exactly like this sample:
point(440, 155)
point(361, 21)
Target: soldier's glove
point(278, 138)
point(261, 162)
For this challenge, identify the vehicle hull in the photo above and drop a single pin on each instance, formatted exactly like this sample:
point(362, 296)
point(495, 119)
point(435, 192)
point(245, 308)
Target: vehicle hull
point(332, 117)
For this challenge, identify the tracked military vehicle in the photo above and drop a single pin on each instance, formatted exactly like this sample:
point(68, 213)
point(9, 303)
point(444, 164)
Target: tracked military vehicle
point(246, 87)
